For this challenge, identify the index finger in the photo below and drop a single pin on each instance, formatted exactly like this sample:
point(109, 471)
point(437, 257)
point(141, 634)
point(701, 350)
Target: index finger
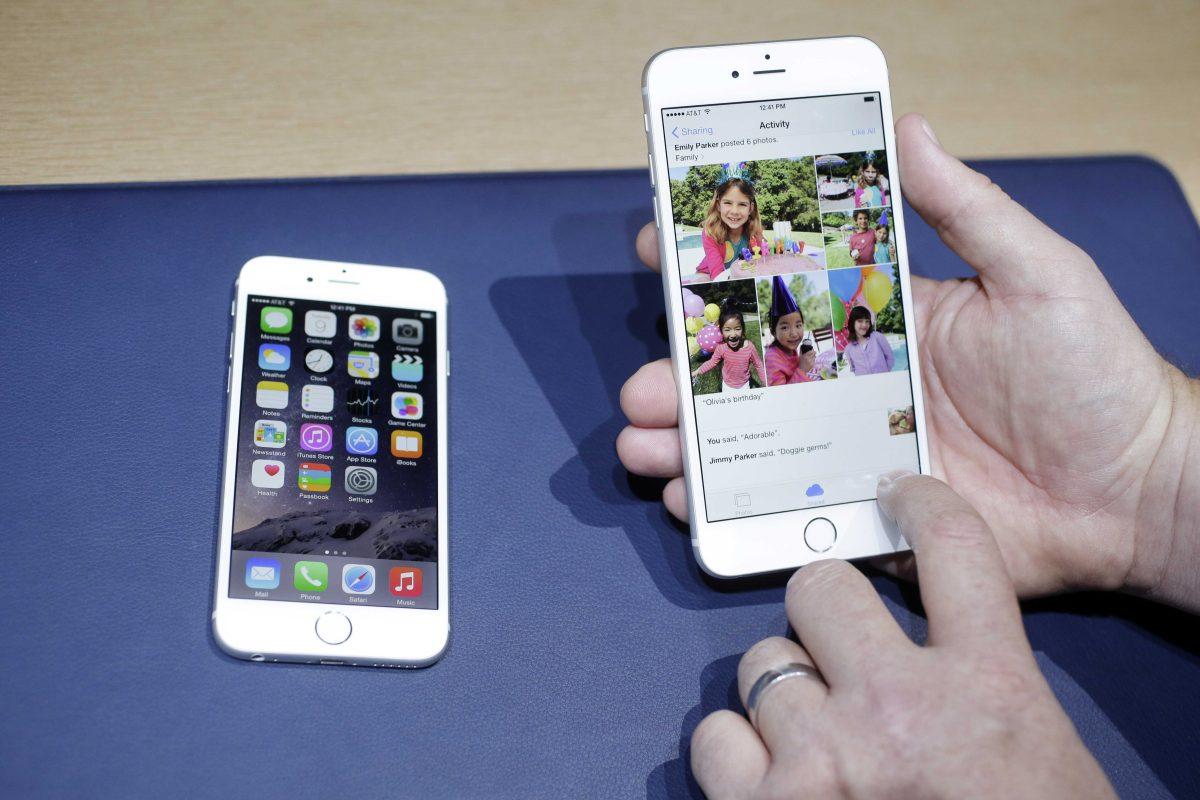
point(964, 584)
point(647, 246)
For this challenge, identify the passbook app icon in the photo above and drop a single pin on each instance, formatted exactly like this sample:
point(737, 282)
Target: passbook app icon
point(314, 477)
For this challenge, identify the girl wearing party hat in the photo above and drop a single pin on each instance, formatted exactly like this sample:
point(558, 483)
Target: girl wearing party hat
point(791, 358)
point(732, 224)
point(870, 190)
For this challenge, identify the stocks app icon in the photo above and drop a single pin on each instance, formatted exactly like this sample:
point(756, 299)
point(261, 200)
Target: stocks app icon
point(361, 401)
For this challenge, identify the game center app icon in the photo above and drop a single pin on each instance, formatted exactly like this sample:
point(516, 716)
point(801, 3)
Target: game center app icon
point(320, 324)
point(363, 364)
point(267, 473)
point(407, 405)
point(277, 357)
point(270, 433)
point(362, 441)
point(407, 368)
point(314, 477)
point(407, 444)
point(358, 579)
point(262, 573)
point(364, 328)
point(405, 581)
point(275, 319)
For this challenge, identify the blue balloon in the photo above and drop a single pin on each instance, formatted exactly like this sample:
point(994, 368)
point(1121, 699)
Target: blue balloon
point(844, 282)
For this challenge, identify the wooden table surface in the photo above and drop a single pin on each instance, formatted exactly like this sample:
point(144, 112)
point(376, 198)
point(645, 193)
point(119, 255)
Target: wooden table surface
point(140, 91)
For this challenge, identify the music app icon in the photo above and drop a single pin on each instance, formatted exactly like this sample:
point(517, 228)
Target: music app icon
point(405, 581)
point(316, 438)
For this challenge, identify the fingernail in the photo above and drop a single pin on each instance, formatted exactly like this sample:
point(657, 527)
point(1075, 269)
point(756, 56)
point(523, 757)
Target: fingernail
point(888, 478)
point(929, 131)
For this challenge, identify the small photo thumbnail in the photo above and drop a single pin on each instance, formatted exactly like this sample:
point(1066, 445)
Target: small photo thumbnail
point(724, 337)
point(848, 181)
point(902, 421)
point(798, 345)
point(858, 238)
point(868, 320)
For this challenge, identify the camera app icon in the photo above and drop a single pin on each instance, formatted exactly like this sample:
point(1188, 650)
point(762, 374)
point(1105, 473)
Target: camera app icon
point(408, 331)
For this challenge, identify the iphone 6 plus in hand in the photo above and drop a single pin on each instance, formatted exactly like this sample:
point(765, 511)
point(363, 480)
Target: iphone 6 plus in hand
point(778, 201)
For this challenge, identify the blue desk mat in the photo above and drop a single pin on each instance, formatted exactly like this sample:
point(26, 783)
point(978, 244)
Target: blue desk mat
point(586, 644)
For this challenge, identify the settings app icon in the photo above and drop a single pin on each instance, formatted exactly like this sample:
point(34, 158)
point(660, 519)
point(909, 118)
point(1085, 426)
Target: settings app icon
point(361, 480)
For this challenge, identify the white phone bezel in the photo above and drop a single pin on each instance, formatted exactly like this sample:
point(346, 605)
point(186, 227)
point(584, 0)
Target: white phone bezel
point(697, 76)
point(265, 630)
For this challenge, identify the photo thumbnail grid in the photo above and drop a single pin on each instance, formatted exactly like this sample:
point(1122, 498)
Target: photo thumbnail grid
point(789, 271)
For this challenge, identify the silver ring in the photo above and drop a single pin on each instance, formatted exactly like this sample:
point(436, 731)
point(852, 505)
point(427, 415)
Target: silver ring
point(772, 677)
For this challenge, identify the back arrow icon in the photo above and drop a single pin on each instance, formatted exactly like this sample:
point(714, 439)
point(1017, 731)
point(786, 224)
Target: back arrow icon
point(675, 132)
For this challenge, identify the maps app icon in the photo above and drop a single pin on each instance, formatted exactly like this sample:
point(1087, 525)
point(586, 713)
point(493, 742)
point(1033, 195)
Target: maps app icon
point(407, 368)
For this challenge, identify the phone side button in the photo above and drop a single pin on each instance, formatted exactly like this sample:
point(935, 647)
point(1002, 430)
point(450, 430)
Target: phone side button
point(819, 535)
point(333, 627)
point(447, 363)
point(228, 377)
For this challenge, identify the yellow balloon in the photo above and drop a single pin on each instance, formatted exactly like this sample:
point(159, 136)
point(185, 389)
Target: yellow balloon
point(712, 312)
point(693, 324)
point(877, 290)
point(693, 345)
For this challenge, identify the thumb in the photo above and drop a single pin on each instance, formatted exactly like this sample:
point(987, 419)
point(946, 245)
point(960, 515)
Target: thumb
point(1012, 250)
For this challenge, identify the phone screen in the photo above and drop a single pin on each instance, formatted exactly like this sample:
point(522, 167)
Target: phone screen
point(336, 495)
point(794, 315)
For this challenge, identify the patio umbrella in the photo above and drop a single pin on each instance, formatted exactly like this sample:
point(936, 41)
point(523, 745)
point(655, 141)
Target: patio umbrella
point(830, 162)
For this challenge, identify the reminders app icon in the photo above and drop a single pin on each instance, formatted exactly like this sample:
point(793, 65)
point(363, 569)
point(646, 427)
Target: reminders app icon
point(262, 573)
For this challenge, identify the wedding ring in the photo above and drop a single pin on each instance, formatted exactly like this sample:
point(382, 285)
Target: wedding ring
point(772, 677)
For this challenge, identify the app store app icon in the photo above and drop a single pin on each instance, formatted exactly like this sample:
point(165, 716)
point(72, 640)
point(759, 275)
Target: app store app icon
point(362, 441)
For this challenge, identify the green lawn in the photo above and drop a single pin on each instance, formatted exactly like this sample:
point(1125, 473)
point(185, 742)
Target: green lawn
point(836, 257)
point(710, 382)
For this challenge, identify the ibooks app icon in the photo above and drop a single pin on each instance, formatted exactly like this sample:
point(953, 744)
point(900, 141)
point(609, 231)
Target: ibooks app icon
point(407, 444)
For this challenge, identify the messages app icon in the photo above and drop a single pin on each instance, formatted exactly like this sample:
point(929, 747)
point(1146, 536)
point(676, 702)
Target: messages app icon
point(275, 319)
point(262, 573)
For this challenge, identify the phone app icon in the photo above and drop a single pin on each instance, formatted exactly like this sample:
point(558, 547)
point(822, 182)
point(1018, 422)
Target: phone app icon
point(314, 477)
point(408, 331)
point(408, 368)
point(311, 576)
point(358, 579)
point(317, 398)
point(364, 328)
point(361, 401)
point(407, 405)
point(363, 364)
point(274, 356)
point(262, 573)
point(316, 437)
point(266, 473)
point(405, 581)
point(318, 360)
point(271, 394)
point(362, 441)
point(407, 444)
point(320, 324)
point(275, 319)
point(270, 433)
point(361, 480)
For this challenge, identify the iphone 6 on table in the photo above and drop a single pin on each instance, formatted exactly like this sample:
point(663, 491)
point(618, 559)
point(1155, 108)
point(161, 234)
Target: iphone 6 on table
point(778, 202)
point(333, 531)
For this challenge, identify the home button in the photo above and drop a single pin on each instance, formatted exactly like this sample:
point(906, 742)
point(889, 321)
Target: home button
point(333, 627)
point(819, 535)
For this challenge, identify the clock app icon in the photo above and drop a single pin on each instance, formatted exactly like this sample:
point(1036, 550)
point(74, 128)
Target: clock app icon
point(318, 360)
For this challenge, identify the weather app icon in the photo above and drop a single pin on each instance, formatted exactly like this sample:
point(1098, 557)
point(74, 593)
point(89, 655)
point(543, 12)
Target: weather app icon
point(273, 356)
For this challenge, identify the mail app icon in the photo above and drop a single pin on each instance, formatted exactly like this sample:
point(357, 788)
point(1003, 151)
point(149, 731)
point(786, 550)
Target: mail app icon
point(262, 573)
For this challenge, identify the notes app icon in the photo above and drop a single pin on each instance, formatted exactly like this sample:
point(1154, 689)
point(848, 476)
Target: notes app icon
point(271, 394)
point(405, 581)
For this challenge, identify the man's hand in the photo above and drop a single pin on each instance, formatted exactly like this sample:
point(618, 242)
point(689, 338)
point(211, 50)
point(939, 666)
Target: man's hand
point(967, 715)
point(1047, 408)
